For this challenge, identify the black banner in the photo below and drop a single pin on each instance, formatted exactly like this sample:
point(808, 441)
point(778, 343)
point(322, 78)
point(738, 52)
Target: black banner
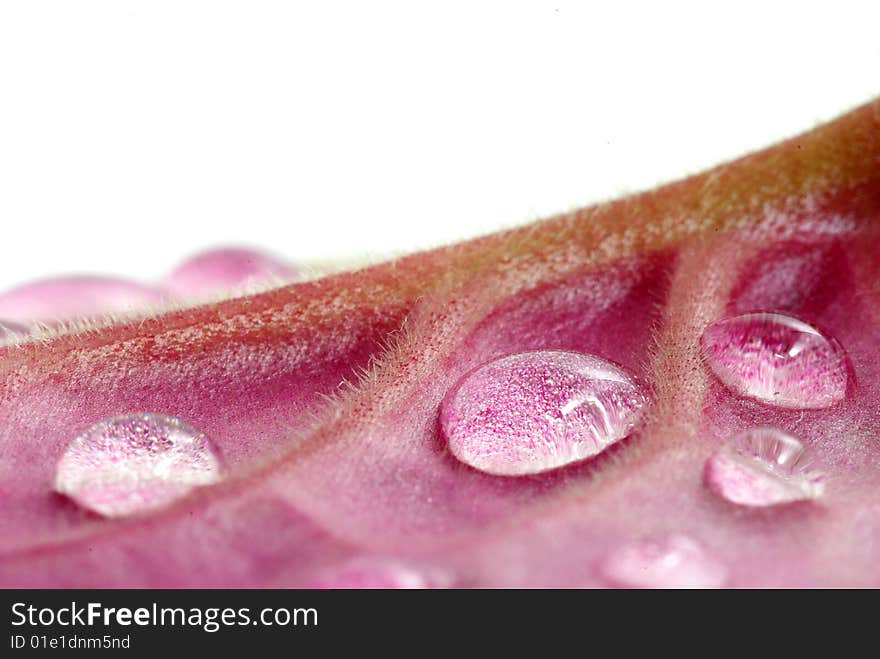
point(245, 620)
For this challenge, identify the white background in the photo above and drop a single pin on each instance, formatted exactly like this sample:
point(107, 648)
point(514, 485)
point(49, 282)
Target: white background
point(133, 133)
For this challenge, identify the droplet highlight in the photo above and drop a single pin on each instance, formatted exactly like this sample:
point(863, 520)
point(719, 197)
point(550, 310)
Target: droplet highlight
point(763, 467)
point(135, 463)
point(227, 271)
point(536, 411)
point(776, 359)
point(673, 562)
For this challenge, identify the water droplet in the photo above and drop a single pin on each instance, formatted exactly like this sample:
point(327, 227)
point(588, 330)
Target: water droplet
point(52, 300)
point(673, 562)
point(776, 359)
point(535, 411)
point(135, 463)
point(373, 574)
point(763, 467)
point(227, 271)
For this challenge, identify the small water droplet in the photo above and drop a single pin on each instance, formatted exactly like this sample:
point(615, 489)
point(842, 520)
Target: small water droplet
point(373, 575)
point(227, 271)
point(776, 359)
point(135, 463)
point(504, 418)
point(673, 562)
point(763, 467)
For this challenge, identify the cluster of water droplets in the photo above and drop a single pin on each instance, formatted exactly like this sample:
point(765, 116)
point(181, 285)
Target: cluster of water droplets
point(533, 412)
point(525, 414)
point(214, 274)
point(782, 361)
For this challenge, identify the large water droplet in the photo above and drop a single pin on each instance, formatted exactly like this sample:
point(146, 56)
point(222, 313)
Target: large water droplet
point(776, 359)
point(227, 271)
point(135, 463)
point(673, 562)
point(763, 467)
point(62, 298)
point(536, 411)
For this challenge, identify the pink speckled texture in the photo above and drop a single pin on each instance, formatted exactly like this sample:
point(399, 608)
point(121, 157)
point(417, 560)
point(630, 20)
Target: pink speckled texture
point(227, 270)
point(134, 464)
point(763, 467)
point(776, 359)
point(536, 411)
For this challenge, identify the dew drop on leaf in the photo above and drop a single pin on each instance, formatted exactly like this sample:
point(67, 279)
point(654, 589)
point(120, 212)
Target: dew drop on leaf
point(135, 463)
point(227, 271)
point(763, 467)
point(776, 359)
point(676, 561)
point(536, 411)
